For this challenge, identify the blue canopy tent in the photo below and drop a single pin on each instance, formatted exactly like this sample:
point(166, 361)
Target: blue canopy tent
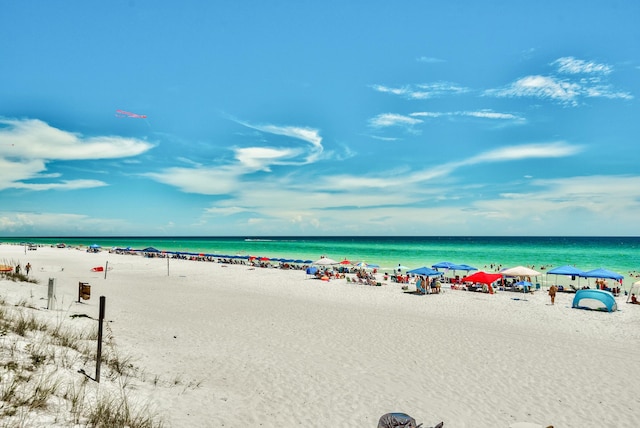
point(425, 271)
point(466, 267)
point(453, 266)
point(567, 270)
point(604, 274)
point(444, 265)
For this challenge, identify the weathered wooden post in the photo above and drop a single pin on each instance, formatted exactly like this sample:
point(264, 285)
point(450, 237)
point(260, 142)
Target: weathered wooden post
point(106, 268)
point(51, 294)
point(100, 321)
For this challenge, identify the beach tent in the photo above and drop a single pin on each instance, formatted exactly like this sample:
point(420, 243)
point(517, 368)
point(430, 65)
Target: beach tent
point(595, 299)
point(453, 267)
point(424, 271)
point(635, 289)
point(522, 272)
point(567, 270)
point(150, 250)
point(602, 273)
point(519, 271)
point(444, 265)
point(482, 278)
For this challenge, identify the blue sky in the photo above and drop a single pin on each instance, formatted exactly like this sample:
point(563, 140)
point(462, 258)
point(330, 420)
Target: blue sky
point(319, 118)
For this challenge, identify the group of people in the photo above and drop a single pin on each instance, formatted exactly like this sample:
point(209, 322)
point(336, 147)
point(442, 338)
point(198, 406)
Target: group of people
point(27, 268)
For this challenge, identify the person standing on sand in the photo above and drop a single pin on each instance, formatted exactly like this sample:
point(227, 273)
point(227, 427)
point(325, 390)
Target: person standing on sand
point(552, 293)
point(27, 268)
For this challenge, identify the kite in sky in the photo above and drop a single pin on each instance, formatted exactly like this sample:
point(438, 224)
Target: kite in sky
point(122, 113)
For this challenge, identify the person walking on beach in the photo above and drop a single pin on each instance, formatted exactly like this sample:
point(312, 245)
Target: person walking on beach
point(27, 268)
point(552, 293)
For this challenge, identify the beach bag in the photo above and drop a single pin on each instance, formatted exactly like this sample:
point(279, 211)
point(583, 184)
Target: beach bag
point(397, 420)
point(400, 420)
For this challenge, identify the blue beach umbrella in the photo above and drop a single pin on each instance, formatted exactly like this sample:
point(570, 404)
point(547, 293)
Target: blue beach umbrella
point(524, 285)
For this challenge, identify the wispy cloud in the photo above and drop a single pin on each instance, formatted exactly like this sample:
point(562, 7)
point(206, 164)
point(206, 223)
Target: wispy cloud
point(429, 60)
point(309, 135)
point(572, 65)
point(422, 91)
point(504, 154)
point(483, 114)
point(27, 146)
point(568, 88)
point(230, 177)
point(392, 119)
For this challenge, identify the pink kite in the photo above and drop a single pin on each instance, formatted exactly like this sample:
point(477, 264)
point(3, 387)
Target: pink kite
point(122, 113)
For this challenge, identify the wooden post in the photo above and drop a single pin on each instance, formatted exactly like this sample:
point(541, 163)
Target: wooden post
point(106, 268)
point(51, 293)
point(167, 265)
point(100, 321)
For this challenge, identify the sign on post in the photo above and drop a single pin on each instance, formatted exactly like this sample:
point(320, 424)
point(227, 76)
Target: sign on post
point(84, 291)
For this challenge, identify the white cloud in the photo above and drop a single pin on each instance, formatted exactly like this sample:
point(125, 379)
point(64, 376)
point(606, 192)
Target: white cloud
point(392, 119)
point(423, 91)
point(541, 87)
point(310, 135)
point(483, 114)
point(35, 139)
point(572, 65)
point(201, 180)
point(429, 60)
point(260, 158)
point(62, 185)
point(229, 178)
point(28, 146)
point(528, 151)
point(225, 211)
point(567, 90)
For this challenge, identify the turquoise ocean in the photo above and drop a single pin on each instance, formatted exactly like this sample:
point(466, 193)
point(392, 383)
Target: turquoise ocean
point(618, 254)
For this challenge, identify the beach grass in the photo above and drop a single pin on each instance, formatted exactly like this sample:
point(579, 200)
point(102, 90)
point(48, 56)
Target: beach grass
point(39, 375)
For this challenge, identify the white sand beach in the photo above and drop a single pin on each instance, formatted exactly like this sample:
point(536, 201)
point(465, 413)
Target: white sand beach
point(233, 346)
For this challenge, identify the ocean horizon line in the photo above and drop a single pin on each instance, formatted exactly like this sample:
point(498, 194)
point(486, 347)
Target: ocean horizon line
point(305, 236)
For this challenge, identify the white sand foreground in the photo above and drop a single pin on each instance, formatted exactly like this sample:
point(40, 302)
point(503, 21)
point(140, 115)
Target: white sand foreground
point(272, 348)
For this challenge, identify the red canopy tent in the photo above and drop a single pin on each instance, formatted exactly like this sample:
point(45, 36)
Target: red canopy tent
point(483, 278)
